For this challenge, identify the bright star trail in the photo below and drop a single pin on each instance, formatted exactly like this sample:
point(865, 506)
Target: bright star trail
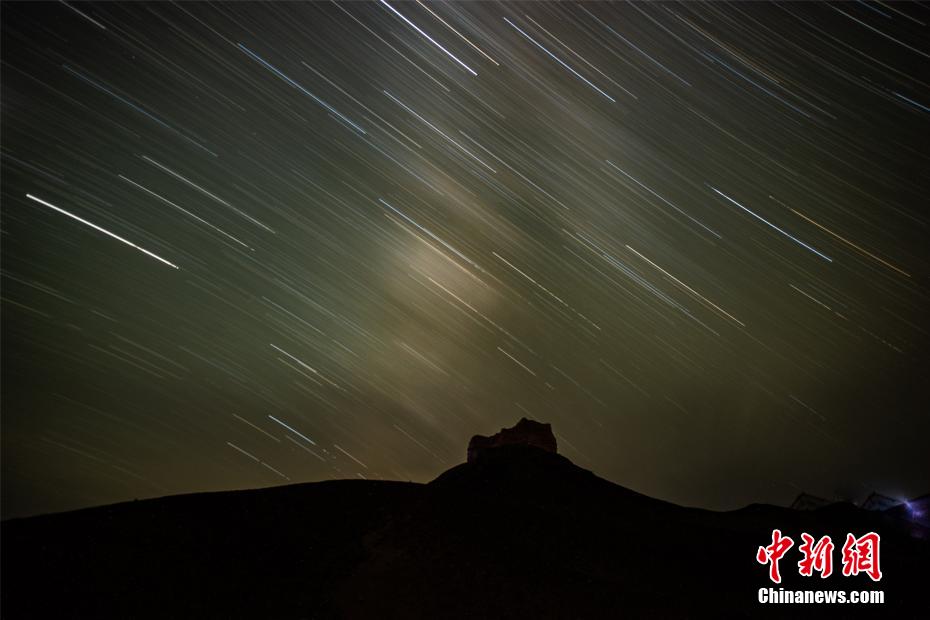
point(693, 237)
point(103, 230)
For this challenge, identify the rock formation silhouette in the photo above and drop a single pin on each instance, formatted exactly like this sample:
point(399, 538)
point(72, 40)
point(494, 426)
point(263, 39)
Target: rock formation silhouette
point(523, 433)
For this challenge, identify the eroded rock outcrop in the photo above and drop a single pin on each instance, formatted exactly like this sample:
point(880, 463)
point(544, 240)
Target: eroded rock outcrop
point(525, 433)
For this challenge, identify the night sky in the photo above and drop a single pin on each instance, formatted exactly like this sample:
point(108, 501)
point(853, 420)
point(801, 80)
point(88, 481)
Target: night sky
point(247, 245)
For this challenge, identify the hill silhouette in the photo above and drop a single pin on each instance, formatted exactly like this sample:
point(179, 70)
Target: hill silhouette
point(518, 531)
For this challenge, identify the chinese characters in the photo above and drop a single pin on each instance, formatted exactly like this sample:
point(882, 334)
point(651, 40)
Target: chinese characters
point(859, 555)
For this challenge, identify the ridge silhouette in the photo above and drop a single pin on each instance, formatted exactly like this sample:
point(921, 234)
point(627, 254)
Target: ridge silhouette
point(518, 531)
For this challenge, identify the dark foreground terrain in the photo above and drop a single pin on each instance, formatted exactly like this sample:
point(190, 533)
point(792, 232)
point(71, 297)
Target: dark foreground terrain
point(518, 533)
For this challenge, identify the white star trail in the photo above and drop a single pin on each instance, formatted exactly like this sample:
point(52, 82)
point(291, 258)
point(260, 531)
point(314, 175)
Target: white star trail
point(103, 230)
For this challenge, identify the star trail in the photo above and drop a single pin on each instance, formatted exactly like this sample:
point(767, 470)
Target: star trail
point(249, 244)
